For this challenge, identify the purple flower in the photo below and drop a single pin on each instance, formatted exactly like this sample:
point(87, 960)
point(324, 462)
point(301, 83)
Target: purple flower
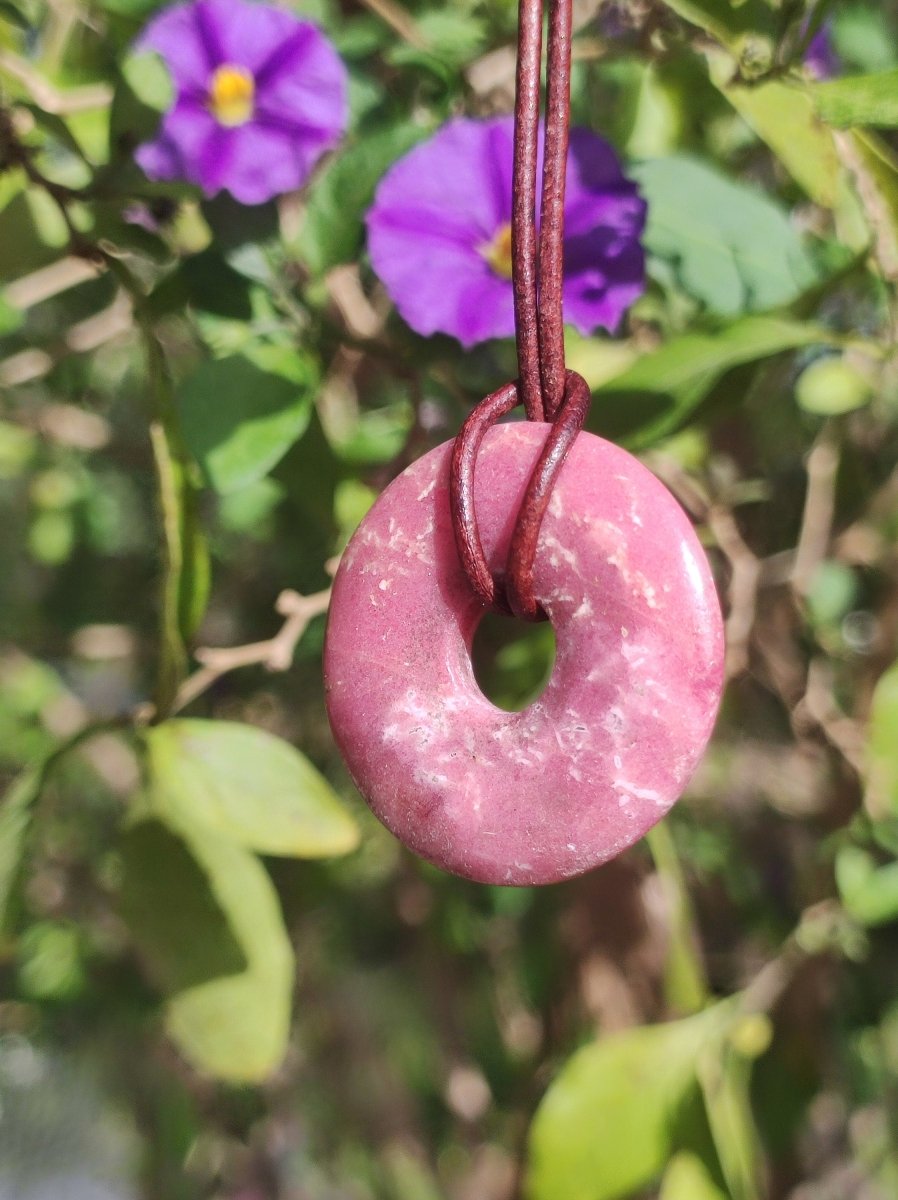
point(820, 57)
point(440, 239)
point(260, 95)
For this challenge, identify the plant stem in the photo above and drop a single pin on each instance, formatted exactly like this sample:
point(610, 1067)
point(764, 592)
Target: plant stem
point(686, 984)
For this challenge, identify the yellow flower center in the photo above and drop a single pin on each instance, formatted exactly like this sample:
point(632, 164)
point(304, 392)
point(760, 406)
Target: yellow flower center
point(232, 91)
point(498, 252)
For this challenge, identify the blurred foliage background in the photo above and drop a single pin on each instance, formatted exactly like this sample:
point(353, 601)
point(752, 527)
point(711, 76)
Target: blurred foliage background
point(220, 976)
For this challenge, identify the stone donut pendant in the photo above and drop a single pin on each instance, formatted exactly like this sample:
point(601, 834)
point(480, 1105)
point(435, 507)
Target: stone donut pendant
point(541, 795)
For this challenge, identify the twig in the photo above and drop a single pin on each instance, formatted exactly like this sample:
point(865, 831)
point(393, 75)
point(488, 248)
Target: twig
point(49, 98)
point(49, 281)
point(399, 20)
point(819, 705)
point(89, 334)
point(819, 510)
point(745, 577)
point(275, 653)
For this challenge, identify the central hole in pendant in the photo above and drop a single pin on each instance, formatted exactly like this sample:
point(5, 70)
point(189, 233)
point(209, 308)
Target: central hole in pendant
point(512, 659)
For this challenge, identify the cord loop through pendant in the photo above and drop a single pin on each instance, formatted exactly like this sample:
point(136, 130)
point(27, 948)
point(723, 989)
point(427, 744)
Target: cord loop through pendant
point(547, 390)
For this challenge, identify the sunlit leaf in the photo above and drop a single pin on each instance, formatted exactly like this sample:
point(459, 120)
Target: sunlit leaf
point(858, 100)
point(207, 922)
point(655, 395)
point(882, 748)
point(689, 1178)
point(609, 1122)
point(725, 1077)
point(248, 786)
point(868, 891)
point(784, 117)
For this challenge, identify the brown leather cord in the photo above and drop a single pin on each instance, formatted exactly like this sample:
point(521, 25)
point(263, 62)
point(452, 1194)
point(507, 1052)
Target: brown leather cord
point(546, 389)
point(514, 594)
point(551, 240)
point(523, 205)
point(522, 551)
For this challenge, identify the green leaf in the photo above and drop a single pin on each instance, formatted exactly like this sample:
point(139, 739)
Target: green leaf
point(863, 37)
point(609, 1122)
point(874, 169)
point(195, 580)
point(725, 1077)
point(377, 435)
point(15, 819)
point(869, 892)
point(240, 414)
point(10, 12)
point(831, 386)
point(34, 232)
point(661, 390)
point(783, 116)
point(207, 920)
point(333, 226)
point(689, 1178)
point(729, 245)
point(882, 748)
point(248, 786)
point(185, 578)
point(144, 91)
point(858, 100)
point(745, 28)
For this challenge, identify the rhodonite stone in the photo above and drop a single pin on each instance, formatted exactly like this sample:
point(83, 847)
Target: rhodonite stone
point(541, 795)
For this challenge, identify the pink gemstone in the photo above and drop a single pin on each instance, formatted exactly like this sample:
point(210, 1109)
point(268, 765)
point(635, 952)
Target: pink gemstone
point(547, 793)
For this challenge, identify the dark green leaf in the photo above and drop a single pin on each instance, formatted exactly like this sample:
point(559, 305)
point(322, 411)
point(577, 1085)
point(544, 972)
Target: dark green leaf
point(144, 91)
point(241, 414)
point(332, 230)
point(15, 818)
point(207, 920)
point(12, 13)
point(34, 232)
point(729, 245)
point(248, 786)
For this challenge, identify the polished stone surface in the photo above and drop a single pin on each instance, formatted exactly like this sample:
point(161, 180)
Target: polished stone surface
point(547, 793)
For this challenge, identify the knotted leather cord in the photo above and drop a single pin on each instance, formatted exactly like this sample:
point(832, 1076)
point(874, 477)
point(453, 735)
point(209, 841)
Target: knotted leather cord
point(546, 389)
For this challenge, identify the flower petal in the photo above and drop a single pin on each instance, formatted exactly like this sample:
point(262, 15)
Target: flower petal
point(246, 34)
point(453, 180)
point(256, 162)
point(179, 150)
point(439, 286)
point(304, 83)
point(600, 285)
point(175, 35)
point(436, 209)
point(300, 102)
